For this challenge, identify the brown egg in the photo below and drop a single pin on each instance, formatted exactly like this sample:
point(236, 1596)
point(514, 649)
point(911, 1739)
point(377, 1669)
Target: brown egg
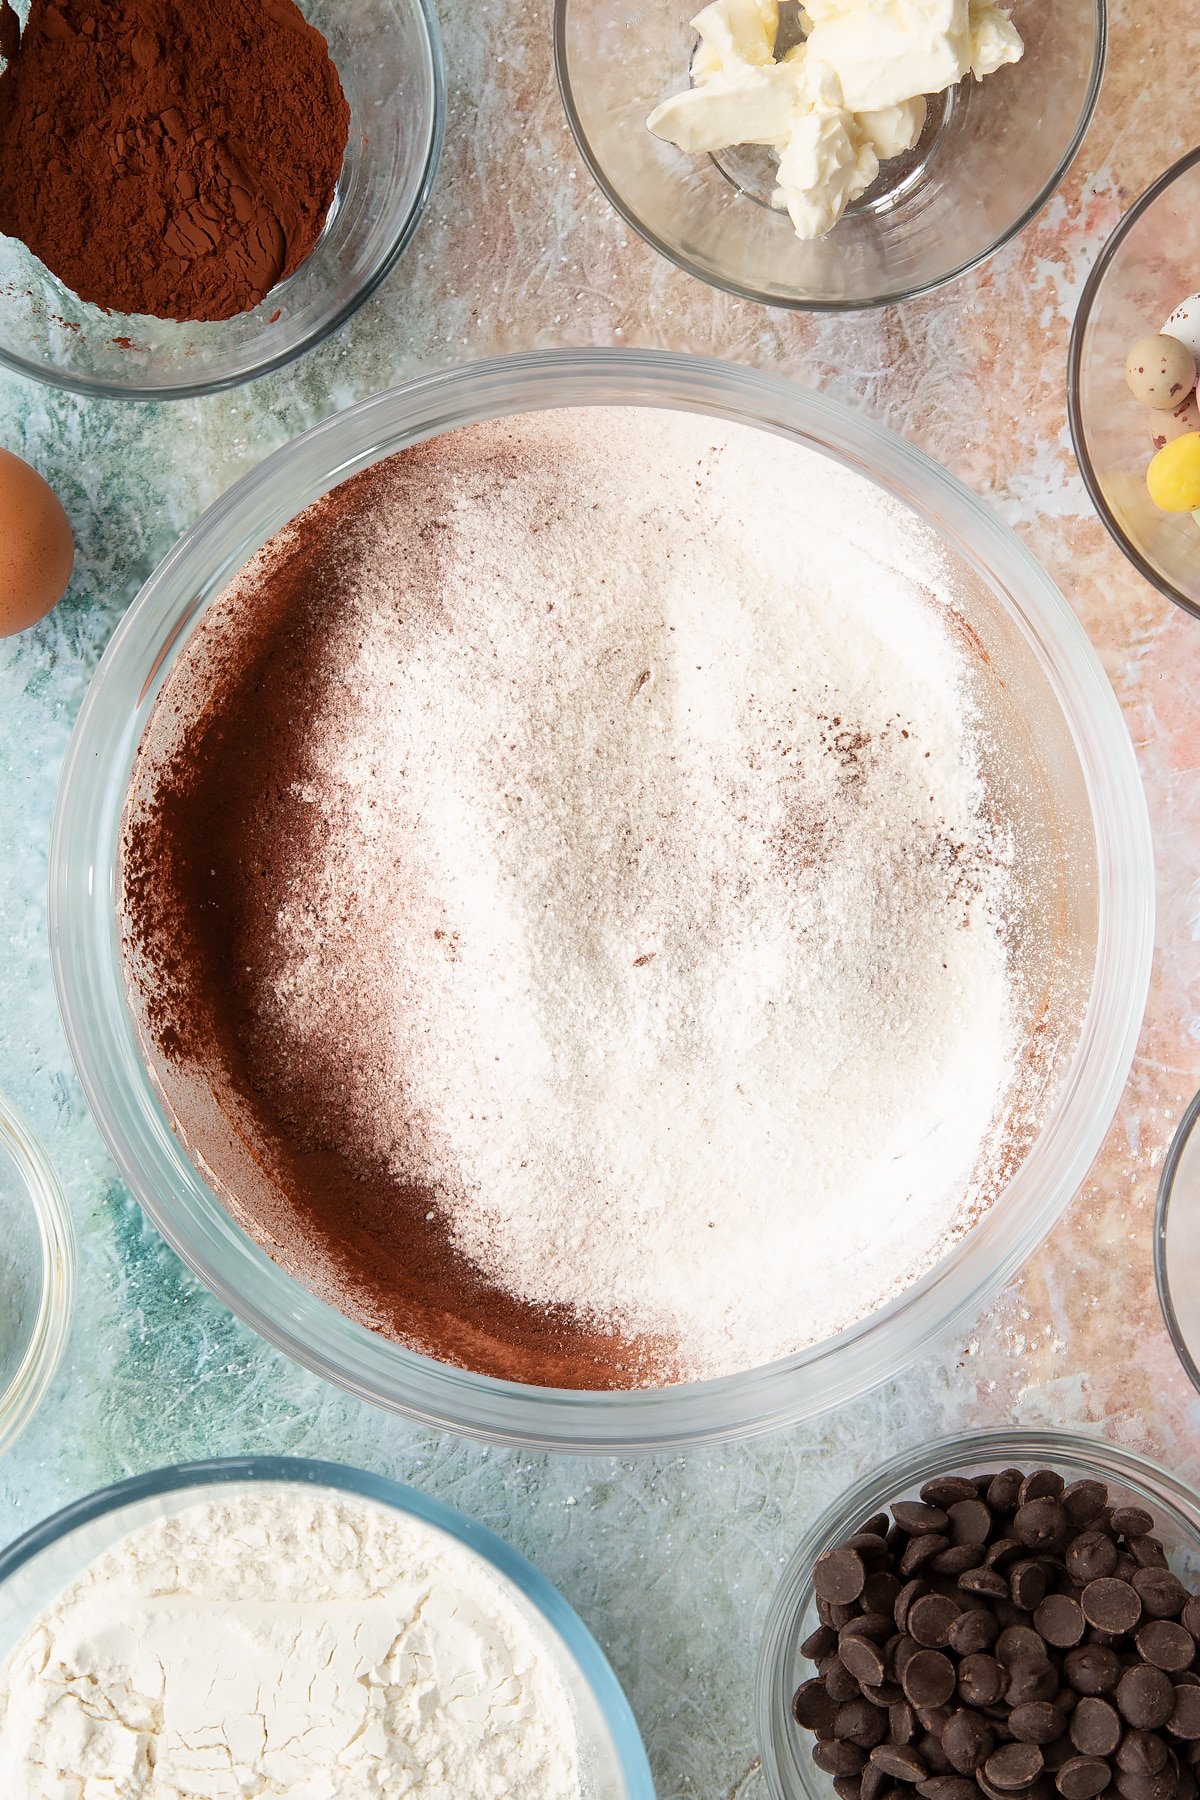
point(36, 547)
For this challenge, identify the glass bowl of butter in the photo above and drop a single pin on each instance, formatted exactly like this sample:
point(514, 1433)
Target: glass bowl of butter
point(835, 155)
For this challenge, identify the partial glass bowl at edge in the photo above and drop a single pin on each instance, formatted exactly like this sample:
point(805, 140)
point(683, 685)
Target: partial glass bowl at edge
point(787, 1763)
point(992, 155)
point(1177, 1241)
point(389, 58)
point(1148, 266)
point(35, 1569)
point(1072, 762)
point(37, 1274)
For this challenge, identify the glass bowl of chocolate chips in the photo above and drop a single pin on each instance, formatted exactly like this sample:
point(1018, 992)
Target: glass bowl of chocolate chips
point(998, 1616)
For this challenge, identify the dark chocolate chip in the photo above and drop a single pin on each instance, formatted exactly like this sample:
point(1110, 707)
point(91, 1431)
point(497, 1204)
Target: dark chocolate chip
point(948, 1787)
point(1020, 1644)
point(1043, 1484)
point(1032, 1681)
point(958, 1559)
point(847, 1787)
point(1004, 1491)
point(947, 1490)
point(861, 1723)
point(839, 1576)
point(1090, 1557)
point(975, 1629)
point(970, 1522)
point(1083, 1778)
point(837, 1758)
point(842, 1685)
point(1084, 1501)
point(1163, 1595)
point(903, 1725)
point(984, 1581)
point(967, 1740)
point(1141, 1753)
point(1037, 1722)
point(912, 1590)
point(981, 1680)
point(1146, 1697)
point(1014, 1767)
point(1111, 1605)
point(929, 1749)
point(1184, 1721)
point(881, 1591)
point(917, 1518)
point(819, 1643)
point(931, 1619)
point(929, 1678)
point(1005, 1552)
point(1131, 1521)
point(1191, 1615)
point(812, 1706)
point(1095, 1727)
point(875, 1783)
point(1092, 1669)
point(1167, 1645)
point(864, 1659)
point(920, 1550)
point(878, 1525)
point(900, 1761)
point(1147, 1787)
point(1039, 1522)
point(1060, 1621)
point(876, 1625)
point(1148, 1552)
point(885, 1695)
point(1027, 1583)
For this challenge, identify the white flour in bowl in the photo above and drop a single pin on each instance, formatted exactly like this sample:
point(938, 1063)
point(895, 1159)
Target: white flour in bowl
point(282, 1642)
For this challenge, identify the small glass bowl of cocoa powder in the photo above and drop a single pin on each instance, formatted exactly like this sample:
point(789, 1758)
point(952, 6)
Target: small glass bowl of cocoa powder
point(1131, 1481)
point(388, 58)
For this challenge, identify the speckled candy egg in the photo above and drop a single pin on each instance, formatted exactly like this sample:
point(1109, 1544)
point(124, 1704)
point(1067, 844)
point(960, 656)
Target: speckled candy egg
point(1165, 427)
point(36, 548)
point(1161, 372)
point(1174, 476)
point(1184, 324)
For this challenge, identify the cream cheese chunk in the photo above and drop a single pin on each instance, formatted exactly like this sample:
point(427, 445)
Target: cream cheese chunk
point(852, 95)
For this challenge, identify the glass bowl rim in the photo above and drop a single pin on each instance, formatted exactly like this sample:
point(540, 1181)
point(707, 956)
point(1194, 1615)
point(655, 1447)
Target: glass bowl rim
point(1079, 436)
point(501, 1556)
point(1166, 1190)
point(896, 296)
point(1097, 1456)
point(20, 1399)
point(97, 388)
point(595, 1421)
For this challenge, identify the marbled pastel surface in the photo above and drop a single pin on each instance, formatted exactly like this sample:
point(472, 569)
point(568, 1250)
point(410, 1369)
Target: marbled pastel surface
point(670, 1560)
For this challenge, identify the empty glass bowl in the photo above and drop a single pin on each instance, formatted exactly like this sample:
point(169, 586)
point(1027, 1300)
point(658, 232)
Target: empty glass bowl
point(1132, 1480)
point(388, 55)
point(992, 154)
point(1150, 263)
point(37, 1274)
point(1177, 1241)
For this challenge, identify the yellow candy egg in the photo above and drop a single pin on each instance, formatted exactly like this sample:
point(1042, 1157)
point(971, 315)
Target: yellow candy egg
point(1174, 476)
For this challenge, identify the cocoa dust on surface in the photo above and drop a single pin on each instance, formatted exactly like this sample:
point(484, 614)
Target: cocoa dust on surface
point(176, 158)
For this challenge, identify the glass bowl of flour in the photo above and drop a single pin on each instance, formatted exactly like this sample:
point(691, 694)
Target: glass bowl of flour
point(268, 1619)
point(783, 932)
point(37, 1274)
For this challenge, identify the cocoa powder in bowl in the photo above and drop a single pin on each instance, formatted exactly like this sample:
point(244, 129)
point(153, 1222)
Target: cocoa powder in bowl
point(170, 157)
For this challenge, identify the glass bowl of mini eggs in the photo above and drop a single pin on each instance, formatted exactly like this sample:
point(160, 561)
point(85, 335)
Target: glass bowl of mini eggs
point(1132, 403)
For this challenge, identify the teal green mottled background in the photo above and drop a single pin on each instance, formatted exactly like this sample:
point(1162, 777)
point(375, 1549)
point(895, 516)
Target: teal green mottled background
point(670, 1560)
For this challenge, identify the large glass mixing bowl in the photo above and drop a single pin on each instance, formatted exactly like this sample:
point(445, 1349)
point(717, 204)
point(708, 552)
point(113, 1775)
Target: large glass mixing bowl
point(1059, 761)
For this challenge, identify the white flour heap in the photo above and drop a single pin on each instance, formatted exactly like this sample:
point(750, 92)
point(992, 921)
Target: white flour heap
point(658, 894)
point(285, 1643)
